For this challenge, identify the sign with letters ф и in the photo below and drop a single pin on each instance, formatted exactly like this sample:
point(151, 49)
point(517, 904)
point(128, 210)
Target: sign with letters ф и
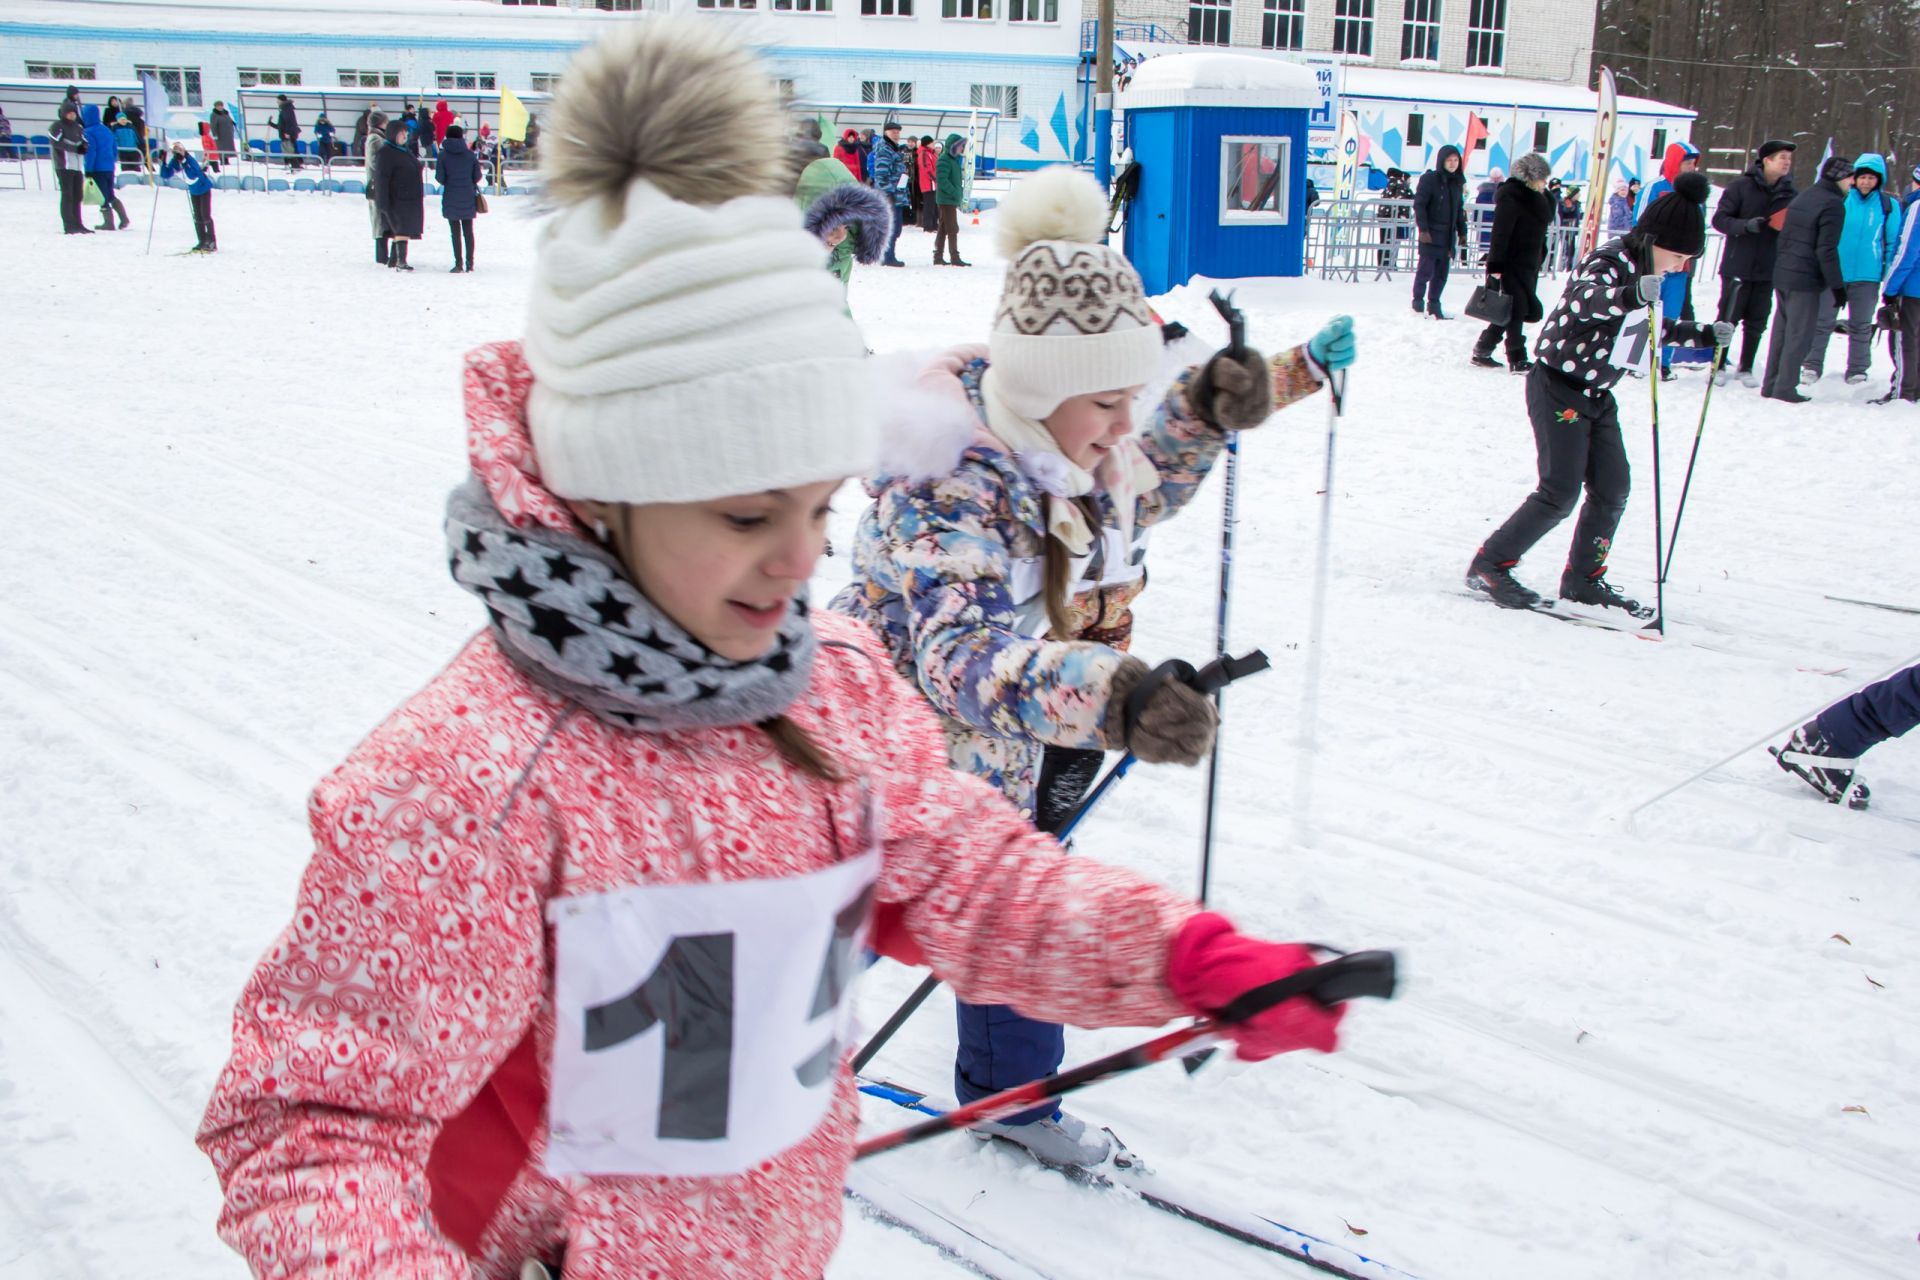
point(698, 1026)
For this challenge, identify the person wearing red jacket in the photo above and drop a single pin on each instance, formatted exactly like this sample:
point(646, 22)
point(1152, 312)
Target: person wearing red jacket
point(849, 154)
point(565, 985)
point(443, 117)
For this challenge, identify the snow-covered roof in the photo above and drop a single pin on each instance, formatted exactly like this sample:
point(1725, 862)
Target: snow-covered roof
point(1220, 80)
point(1493, 91)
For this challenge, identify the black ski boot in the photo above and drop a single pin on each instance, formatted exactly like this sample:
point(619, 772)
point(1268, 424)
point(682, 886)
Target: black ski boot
point(1599, 593)
point(1809, 757)
point(1518, 363)
point(1482, 358)
point(1496, 581)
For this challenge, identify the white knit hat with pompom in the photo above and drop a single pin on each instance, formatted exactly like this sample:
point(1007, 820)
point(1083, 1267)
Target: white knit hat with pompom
point(685, 339)
point(1073, 315)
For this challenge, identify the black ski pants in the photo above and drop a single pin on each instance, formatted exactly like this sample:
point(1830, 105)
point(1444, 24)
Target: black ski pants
point(203, 219)
point(1577, 439)
point(459, 229)
point(73, 186)
point(1746, 304)
point(1907, 361)
point(1430, 277)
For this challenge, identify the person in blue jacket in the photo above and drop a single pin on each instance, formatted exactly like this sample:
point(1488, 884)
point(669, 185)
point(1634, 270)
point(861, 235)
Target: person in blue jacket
point(1902, 292)
point(323, 130)
point(199, 193)
point(889, 165)
point(1867, 240)
point(102, 153)
point(458, 172)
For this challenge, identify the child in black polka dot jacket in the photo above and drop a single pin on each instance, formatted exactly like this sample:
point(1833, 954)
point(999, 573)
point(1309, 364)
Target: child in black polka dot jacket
point(1585, 347)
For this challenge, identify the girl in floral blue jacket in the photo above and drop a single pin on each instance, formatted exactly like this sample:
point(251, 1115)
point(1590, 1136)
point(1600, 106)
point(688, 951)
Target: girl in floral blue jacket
point(1001, 563)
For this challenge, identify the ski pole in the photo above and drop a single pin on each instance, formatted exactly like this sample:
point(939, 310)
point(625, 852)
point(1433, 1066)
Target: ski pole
point(1654, 336)
point(1680, 510)
point(1348, 977)
point(1236, 348)
point(1210, 679)
point(1310, 695)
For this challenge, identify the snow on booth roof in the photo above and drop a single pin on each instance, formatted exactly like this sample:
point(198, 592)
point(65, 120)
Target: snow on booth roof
point(1220, 80)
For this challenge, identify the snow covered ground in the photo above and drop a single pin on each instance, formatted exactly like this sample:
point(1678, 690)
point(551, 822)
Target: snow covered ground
point(1671, 1043)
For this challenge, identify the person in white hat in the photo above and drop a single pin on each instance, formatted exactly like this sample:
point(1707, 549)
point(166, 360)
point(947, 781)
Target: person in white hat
point(1006, 544)
point(565, 985)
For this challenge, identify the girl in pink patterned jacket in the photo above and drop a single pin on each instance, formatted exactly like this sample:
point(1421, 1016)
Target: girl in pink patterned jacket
point(565, 984)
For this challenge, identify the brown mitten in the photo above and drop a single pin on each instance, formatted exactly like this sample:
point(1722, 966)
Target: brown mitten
point(1175, 727)
point(1233, 394)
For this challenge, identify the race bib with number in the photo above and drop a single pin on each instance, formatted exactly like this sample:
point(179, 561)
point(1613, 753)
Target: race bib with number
point(1630, 348)
point(698, 1025)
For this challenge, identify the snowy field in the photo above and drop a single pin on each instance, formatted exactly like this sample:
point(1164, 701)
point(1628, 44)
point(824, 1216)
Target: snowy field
point(1672, 1043)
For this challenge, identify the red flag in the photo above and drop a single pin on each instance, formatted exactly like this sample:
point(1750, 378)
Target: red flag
point(1476, 134)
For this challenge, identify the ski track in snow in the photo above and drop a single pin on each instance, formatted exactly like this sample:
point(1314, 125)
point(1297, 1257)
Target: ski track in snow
point(1622, 1049)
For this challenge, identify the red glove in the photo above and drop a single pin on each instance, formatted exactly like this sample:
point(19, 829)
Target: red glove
point(1211, 964)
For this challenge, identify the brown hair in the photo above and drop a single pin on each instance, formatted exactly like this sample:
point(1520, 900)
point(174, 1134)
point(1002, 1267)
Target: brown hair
point(801, 751)
point(1058, 562)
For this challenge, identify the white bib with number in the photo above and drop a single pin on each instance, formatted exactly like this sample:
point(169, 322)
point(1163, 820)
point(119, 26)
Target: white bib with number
point(698, 1026)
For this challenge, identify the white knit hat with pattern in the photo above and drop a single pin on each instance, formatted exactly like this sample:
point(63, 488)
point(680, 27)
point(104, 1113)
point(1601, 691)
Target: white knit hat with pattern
point(1073, 316)
point(685, 339)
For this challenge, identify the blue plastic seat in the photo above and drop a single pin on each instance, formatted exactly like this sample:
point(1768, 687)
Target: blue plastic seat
point(273, 147)
point(305, 184)
point(179, 183)
point(279, 184)
point(42, 145)
point(255, 144)
point(352, 187)
point(253, 183)
point(227, 182)
point(129, 180)
point(330, 185)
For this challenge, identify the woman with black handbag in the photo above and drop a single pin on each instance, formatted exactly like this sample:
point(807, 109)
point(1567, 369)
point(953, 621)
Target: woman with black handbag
point(1522, 216)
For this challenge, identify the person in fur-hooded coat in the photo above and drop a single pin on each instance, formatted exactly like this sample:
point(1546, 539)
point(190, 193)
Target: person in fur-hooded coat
point(654, 784)
point(1006, 543)
point(852, 220)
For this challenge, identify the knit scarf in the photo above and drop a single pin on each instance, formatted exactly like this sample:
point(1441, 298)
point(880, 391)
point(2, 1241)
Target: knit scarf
point(565, 613)
point(1124, 473)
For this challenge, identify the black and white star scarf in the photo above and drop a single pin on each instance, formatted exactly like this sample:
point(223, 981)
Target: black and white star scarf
point(565, 613)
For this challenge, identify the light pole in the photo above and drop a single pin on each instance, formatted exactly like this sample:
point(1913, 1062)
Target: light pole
point(1103, 98)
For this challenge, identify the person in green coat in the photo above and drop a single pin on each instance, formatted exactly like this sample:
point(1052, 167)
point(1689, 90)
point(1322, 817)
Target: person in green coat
point(850, 219)
point(949, 189)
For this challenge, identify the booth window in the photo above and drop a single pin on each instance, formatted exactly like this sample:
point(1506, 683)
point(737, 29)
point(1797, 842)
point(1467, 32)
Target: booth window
point(1487, 33)
point(1416, 129)
point(1210, 22)
point(1255, 174)
point(1420, 31)
point(1284, 24)
point(1542, 134)
point(1353, 27)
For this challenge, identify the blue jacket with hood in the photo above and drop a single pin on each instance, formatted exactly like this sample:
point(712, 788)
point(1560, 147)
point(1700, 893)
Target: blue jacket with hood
point(1872, 229)
point(102, 151)
point(1678, 153)
point(1904, 280)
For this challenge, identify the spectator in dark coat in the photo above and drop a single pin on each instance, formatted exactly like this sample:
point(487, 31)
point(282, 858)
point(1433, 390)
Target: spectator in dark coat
point(223, 133)
point(1749, 215)
point(890, 179)
point(100, 155)
point(1806, 266)
point(1440, 214)
point(111, 115)
point(324, 131)
point(1395, 206)
point(400, 194)
point(369, 156)
point(137, 162)
point(287, 125)
point(1570, 212)
point(69, 142)
point(458, 173)
point(1484, 197)
point(1522, 216)
point(362, 126)
point(429, 141)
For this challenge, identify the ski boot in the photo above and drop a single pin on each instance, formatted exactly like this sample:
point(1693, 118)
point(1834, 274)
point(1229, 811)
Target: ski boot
point(1496, 581)
point(1808, 756)
point(1519, 364)
point(1483, 358)
point(1064, 1142)
point(1599, 593)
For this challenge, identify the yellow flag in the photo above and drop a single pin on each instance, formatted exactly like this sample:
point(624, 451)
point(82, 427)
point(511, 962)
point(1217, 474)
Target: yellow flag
point(513, 117)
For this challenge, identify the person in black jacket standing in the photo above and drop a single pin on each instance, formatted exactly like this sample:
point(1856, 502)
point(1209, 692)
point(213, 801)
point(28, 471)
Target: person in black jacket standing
point(1585, 348)
point(1522, 215)
point(1440, 215)
point(1806, 265)
point(1746, 216)
point(287, 125)
point(459, 173)
point(400, 195)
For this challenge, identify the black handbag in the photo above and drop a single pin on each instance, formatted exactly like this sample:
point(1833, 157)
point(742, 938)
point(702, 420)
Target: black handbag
point(1490, 305)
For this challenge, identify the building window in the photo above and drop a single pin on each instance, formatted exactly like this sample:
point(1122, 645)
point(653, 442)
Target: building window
point(1284, 24)
point(1210, 22)
point(1255, 174)
point(897, 92)
point(980, 9)
point(60, 71)
point(727, 4)
point(1004, 98)
point(1033, 10)
point(803, 6)
point(1542, 131)
point(1487, 33)
point(887, 8)
point(1416, 129)
point(351, 78)
point(544, 81)
point(463, 79)
point(1420, 31)
point(253, 76)
point(1353, 27)
point(181, 83)
point(532, 4)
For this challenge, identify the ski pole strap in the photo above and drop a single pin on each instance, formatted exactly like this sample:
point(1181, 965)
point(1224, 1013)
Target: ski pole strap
point(1226, 669)
point(1236, 322)
point(1349, 977)
point(1207, 680)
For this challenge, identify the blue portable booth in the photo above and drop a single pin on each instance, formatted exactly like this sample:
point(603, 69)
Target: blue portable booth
point(1221, 144)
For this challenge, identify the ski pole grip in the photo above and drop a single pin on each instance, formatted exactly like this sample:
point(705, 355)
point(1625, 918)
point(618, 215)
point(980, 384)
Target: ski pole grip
point(1363, 973)
point(1226, 669)
point(1236, 323)
point(1172, 669)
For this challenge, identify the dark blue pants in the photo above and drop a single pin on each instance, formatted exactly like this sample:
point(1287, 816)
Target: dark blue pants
point(998, 1047)
point(893, 241)
point(1430, 277)
point(1874, 714)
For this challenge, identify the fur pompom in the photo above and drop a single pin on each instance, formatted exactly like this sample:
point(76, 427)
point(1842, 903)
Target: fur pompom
point(1055, 203)
point(679, 102)
point(864, 210)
